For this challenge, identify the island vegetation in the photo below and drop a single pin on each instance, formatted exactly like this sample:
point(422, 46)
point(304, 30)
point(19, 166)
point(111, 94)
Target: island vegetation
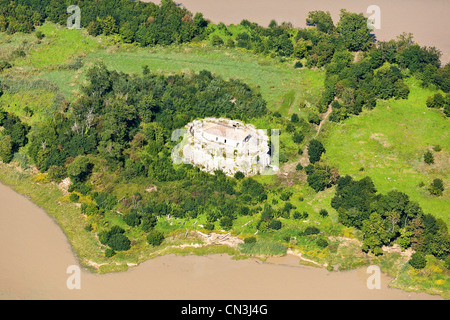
point(88, 115)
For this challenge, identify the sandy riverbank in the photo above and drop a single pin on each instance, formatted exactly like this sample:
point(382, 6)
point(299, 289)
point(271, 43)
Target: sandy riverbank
point(427, 20)
point(35, 255)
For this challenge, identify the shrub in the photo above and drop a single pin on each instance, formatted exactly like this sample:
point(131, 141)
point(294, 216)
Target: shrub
point(437, 148)
point(322, 243)
point(285, 195)
point(275, 224)
point(73, 197)
point(6, 152)
point(109, 252)
point(39, 34)
point(216, 40)
point(132, 219)
point(155, 238)
point(148, 222)
point(226, 222)
point(250, 239)
point(298, 137)
point(418, 260)
point(311, 230)
point(447, 262)
point(119, 242)
point(436, 187)
point(209, 226)
point(315, 150)
point(239, 175)
point(299, 167)
point(56, 173)
point(428, 157)
point(323, 213)
point(298, 64)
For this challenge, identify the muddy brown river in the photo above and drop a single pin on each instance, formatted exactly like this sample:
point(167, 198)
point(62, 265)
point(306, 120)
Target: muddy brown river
point(35, 256)
point(427, 20)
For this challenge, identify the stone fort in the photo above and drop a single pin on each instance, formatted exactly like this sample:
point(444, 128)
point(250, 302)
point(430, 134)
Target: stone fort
point(223, 144)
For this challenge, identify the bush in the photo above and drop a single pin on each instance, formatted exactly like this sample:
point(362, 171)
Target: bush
point(447, 262)
point(226, 222)
point(132, 219)
point(418, 260)
point(250, 239)
point(428, 157)
point(299, 167)
point(148, 222)
point(209, 226)
point(315, 150)
point(155, 238)
point(119, 242)
point(323, 213)
point(239, 175)
point(109, 252)
point(436, 187)
point(322, 243)
point(275, 224)
point(311, 230)
point(216, 40)
point(57, 173)
point(73, 197)
point(298, 64)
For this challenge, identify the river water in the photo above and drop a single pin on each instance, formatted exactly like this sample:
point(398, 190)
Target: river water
point(35, 256)
point(427, 20)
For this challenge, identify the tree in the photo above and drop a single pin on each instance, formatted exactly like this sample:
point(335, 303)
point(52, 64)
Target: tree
point(298, 137)
point(6, 149)
point(375, 235)
point(216, 40)
point(418, 260)
point(119, 242)
point(436, 188)
point(428, 157)
point(108, 25)
point(323, 213)
point(155, 238)
point(315, 150)
point(127, 33)
point(226, 222)
point(79, 169)
point(322, 20)
point(239, 175)
point(353, 28)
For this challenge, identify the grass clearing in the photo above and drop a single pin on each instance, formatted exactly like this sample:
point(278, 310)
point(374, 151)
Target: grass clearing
point(388, 144)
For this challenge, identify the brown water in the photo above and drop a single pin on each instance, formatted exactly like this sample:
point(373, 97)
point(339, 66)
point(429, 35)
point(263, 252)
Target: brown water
point(35, 255)
point(426, 19)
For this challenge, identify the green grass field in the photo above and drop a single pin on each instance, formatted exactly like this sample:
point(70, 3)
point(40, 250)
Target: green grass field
point(388, 144)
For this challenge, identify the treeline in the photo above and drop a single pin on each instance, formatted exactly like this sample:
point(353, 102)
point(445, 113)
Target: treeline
point(389, 218)
point(358, 70)
point(134, 21)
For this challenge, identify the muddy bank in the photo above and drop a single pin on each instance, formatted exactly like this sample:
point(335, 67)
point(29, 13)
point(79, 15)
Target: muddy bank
point(35, 255)
point(427, 20)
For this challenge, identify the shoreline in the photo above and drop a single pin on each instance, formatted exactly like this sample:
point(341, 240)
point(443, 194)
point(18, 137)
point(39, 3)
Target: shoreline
point(41, 264)
point(396, 17)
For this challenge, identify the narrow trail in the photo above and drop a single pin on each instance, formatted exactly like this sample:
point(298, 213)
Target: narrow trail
point(303, 159)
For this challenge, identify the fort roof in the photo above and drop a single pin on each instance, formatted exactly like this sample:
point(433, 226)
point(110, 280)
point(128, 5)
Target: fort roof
point(225, 131)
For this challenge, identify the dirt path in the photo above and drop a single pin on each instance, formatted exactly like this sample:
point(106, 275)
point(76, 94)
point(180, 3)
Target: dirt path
point(303, 158)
